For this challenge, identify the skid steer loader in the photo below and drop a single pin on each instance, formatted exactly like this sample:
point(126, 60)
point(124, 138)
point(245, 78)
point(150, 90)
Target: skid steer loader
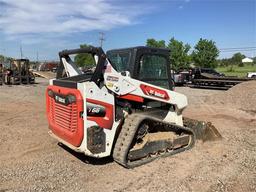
point(126, 109)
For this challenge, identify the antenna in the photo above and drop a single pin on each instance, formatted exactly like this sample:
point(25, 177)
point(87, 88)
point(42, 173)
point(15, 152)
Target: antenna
point(101, 38)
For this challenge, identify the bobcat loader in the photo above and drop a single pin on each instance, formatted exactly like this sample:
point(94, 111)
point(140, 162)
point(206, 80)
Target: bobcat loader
point(126, 108)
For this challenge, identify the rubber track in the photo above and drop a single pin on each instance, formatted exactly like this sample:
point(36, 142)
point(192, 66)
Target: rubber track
point(127, 134)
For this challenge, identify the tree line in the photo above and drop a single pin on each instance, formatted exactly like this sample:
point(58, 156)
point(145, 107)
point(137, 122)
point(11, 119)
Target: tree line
point(236, 59)
point(205, 53)
point(5, 59)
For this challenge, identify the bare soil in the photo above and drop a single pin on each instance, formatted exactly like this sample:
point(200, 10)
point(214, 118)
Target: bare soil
point(241, 96)
point(30, 160)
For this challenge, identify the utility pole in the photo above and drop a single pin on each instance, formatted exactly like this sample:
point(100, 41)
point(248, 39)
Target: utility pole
point(37, 57)
point(101, 38)
point(21, 53)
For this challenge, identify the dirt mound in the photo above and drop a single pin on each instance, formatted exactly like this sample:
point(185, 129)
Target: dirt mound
point(241, 96)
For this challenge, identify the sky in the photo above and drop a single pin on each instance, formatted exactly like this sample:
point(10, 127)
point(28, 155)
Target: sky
point(45, 27)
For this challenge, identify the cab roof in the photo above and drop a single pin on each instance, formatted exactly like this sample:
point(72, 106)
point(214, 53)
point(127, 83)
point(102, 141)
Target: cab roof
point(153, 49)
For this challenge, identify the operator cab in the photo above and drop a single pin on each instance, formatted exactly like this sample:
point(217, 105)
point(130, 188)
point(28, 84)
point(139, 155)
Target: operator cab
point(151, 65)
point(146, 64)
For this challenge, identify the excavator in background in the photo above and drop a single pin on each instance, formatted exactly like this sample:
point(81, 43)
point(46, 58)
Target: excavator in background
point(126, 108)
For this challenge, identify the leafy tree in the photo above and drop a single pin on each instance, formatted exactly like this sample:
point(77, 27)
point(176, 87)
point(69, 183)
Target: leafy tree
point(224, 62)
point(205, 53)
point(5, 59)
point(154, 43)
point(179, 54)
point(8, 59)
point(84, 59)
point(237, 58)
point(1, 58)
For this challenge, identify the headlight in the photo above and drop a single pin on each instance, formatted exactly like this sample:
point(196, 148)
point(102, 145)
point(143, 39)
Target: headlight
point(50, 93)
point(71, 99)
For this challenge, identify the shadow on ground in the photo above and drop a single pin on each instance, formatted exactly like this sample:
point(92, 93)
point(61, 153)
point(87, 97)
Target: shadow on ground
point(86, 159)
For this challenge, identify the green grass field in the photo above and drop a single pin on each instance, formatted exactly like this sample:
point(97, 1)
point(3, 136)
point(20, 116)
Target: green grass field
point(237, 71)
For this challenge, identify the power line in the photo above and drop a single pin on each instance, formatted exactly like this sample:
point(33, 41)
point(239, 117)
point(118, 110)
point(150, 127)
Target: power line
point(237, 48)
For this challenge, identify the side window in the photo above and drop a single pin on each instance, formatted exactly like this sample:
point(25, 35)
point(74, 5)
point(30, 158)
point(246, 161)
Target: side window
point(153, 69)
point(120, 60)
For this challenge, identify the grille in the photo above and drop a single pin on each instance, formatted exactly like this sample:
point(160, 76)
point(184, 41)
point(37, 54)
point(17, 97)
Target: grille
point(64, 116)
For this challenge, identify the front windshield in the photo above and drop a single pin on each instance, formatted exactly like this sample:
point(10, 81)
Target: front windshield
point(120, 60)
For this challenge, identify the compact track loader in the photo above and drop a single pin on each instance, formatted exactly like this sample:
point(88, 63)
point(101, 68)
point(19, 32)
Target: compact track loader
point(126, 109)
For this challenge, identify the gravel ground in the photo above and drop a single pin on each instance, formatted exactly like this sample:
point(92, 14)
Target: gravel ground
point(30, 160)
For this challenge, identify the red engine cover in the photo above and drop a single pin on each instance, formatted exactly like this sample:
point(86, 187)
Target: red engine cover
point(64, 107)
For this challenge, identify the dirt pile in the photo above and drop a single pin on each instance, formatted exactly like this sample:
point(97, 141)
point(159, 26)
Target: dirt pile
point(241, 96)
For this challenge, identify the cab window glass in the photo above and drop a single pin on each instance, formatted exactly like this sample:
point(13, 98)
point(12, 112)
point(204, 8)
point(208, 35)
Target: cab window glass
point(120, 60)
point(153, 66)
point(153, 69)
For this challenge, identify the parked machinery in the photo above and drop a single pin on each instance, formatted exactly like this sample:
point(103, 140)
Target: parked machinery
point(126, 108)
point(18, 72)
point(1, 73)
point(209, 78)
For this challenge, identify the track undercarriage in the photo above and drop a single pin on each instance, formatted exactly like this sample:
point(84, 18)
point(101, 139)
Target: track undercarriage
point(144, 139)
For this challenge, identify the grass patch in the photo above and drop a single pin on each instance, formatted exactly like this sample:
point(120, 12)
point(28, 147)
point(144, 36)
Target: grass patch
point(237, 71)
